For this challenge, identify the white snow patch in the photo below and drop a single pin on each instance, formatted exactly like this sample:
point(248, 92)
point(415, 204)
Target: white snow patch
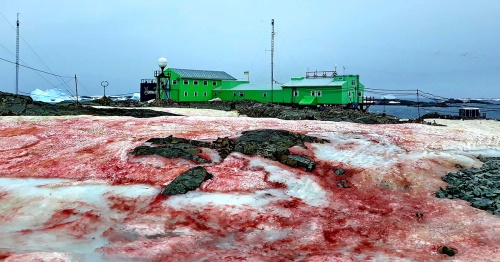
point(358, 152)
point(31, 202)
point(303, 186)
point(233, 201)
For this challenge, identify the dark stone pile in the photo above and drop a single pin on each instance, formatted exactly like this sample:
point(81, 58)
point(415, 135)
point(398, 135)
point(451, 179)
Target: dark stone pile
point(17, 105)
point(480, 187)
point(274, 144)
point(286, 112)
point(269, 143)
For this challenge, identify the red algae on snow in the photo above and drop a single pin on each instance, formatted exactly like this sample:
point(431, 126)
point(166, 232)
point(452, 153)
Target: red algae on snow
point(70, 185)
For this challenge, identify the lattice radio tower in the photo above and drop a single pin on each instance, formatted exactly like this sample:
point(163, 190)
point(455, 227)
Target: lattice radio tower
point(17, 56)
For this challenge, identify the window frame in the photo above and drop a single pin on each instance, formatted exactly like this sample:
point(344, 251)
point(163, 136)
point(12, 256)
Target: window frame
point(186, 93)
point(205, 94)
point(195, 82)
point(185, 82)
point(319, 93)
point(205, 82)
point(241, 94)
point(214, 83)
point(195, 93)
point(174, 82)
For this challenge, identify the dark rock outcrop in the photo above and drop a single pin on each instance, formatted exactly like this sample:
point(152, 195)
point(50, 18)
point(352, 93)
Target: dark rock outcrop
point(273, 144)
point(187, 181)
point(224, 146)
point(181, 150)
point(17, 105)
point(480, 187)
point(269, 143)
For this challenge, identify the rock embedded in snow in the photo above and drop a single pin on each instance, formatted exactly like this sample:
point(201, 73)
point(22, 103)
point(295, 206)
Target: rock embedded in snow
point(187, 181)
point(480, 187)
point(185, 151)
point(273, 144)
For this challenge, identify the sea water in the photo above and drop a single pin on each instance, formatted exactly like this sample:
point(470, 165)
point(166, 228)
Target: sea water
point(492, 110)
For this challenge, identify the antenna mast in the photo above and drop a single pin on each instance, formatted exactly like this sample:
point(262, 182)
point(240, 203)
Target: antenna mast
point(17, 56)
point(272, 61)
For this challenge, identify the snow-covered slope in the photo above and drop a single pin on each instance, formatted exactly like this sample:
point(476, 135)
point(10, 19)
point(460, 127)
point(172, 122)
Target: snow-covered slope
point(70, 190)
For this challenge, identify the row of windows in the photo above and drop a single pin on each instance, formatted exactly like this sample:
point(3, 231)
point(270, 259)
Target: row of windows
point(195, 93)
point(243, 94)
point(195, 82)
point(313, 93)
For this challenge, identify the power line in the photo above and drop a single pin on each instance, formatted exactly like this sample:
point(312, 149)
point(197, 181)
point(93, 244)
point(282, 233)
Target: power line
point(45, 72)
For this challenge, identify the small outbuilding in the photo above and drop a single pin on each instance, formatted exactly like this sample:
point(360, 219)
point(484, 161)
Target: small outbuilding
point(469, 112)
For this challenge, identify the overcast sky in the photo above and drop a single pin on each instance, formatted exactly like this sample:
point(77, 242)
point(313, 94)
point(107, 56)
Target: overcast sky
point(444, 47)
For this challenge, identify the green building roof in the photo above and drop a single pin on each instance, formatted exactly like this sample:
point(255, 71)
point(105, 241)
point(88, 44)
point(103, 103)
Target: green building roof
point(249, 87)
point(203, 74)
point(312, 82)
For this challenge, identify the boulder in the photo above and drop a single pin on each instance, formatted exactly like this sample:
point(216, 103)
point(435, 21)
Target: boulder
point(187, 181)
point(298, 161)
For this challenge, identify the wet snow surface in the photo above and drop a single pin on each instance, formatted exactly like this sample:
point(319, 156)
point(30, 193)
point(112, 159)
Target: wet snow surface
point(70, 191)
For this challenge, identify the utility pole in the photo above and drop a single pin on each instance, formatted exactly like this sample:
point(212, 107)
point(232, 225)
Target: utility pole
point(17, 56)
point(76, 89)
point(418, 104)
point(272, 62)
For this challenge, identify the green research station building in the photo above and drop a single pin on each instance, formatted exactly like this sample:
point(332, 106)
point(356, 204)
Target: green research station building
point(315, 88)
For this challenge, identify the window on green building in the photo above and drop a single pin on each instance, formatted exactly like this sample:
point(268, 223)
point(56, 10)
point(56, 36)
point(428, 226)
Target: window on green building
point(234, 93)
point(185, 93)
point(353, 82)
point(205, 94)
point(214, 83)
point(264, 94)
point(174, 82)
point(319, 93)
point(295, 93)
point(186, 82)
point(215, 93)
point(349, 93)
point(205, 82)
point(195, 93)
point(313, 93)
point(195, 82)
point(242, 93)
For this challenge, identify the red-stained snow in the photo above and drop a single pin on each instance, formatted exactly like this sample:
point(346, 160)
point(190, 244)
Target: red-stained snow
point(70, 191)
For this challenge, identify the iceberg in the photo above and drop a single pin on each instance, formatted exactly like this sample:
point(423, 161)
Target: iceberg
point(136, 96)
point(54, 95)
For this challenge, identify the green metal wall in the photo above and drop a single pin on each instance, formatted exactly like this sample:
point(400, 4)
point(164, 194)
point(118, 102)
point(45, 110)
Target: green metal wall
point(189, 92)
point(263, 96)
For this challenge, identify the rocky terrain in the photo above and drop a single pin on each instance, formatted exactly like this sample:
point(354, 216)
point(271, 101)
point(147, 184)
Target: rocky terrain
point(479, 186)
point(19, 105)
